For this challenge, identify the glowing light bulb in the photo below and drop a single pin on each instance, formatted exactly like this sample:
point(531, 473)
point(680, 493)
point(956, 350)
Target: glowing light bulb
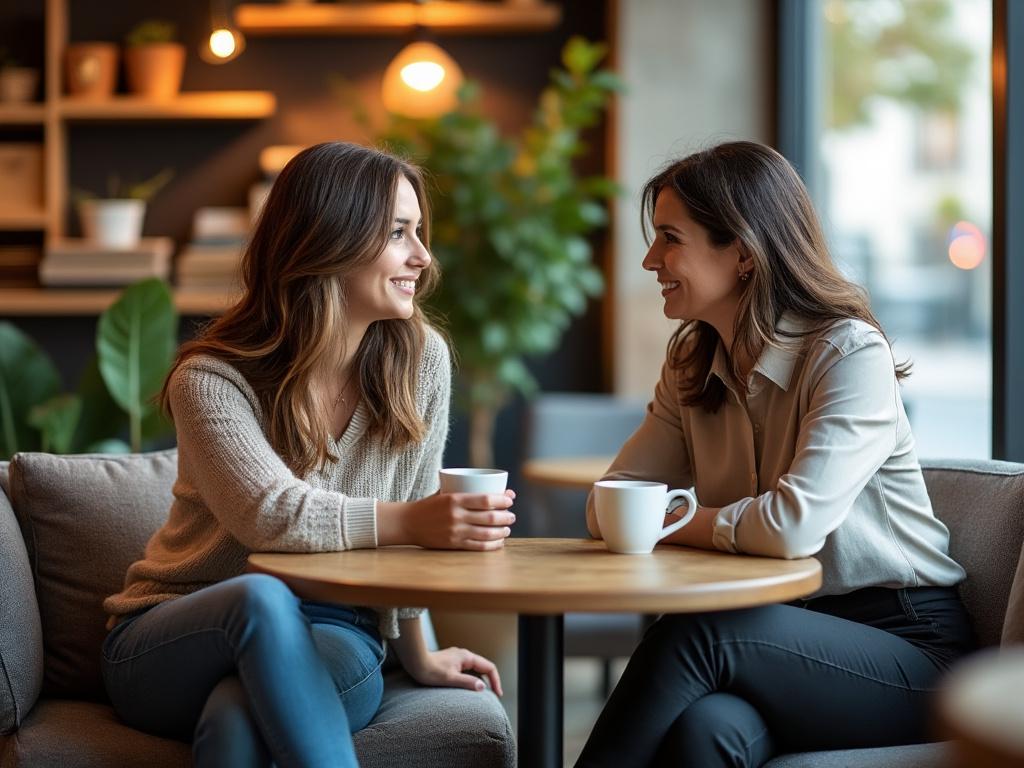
point(222, 43)
point(423, 75)
point(422, 81)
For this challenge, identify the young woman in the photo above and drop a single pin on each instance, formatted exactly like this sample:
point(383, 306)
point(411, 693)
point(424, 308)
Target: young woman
point(311, 417)
point(779, 402)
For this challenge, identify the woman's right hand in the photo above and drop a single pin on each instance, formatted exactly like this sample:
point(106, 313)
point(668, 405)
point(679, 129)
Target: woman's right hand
point(475, 521)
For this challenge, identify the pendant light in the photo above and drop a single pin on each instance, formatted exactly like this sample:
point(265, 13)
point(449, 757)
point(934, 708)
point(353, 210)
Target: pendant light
point(422, 80)
point(226, 41)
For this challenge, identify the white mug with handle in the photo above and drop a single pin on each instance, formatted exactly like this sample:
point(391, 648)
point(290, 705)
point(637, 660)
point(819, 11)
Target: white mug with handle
point(631, 513)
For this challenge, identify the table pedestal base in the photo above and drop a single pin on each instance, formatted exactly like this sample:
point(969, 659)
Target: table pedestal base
point(540, 691)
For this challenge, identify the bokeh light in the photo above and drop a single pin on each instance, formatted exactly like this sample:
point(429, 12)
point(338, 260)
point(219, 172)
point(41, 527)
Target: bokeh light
point(222, 43)
point(967, 245)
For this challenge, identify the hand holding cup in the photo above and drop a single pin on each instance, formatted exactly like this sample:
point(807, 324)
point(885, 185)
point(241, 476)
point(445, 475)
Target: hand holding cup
point(469, 512)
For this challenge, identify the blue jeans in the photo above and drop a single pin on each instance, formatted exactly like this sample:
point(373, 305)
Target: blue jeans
point(248, 673)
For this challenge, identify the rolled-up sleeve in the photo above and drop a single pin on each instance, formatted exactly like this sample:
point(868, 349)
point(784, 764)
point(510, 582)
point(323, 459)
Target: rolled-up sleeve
point(657, 451)
point(847, 433)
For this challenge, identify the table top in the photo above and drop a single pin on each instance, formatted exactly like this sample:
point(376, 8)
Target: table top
point(578, 472)
point(544, 576)
point(981, 708)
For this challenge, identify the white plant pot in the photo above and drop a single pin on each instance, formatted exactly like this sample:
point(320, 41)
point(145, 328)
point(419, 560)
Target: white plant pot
point(112, 223)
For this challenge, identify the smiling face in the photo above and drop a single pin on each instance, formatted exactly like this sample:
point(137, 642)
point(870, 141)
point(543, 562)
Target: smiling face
point(384, 289)
point(699, 281)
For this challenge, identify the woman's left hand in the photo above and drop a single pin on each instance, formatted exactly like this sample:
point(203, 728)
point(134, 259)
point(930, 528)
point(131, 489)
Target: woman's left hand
point(449, 668)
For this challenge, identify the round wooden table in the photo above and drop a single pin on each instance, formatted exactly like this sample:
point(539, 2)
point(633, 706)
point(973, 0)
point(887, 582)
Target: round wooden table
point(542, 579)
point(982, 709)
point(577, 473)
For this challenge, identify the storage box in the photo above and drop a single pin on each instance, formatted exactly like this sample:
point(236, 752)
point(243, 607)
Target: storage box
point(21, 177)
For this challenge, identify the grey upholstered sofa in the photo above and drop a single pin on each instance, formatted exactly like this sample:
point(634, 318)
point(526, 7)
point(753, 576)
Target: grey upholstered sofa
point(982, 503)
point(76, 524)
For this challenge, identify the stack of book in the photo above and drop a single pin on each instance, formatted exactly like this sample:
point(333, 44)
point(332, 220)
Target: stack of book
point(84, 263)
point(211, 261)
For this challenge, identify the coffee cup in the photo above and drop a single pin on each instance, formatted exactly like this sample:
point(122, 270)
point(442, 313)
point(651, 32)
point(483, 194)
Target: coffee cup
point(472, 480)
point(631, 513)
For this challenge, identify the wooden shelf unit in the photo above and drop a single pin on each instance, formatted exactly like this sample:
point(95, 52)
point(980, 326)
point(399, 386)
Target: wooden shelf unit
point(57, 111)
point(442, 16)
point(194, 105)
point(23, 220)
point(68, 302)
point(33, 113)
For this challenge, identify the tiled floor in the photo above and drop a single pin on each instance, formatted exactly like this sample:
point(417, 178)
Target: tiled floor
point(583, 702)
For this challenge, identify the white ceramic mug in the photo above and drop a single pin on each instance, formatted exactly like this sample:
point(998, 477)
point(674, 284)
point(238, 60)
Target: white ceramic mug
point(471, 480)
point(631, 513)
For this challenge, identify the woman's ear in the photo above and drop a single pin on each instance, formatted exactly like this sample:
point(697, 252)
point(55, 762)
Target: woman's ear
point(744, 261)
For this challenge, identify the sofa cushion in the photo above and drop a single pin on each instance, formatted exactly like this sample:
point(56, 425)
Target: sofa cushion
point(416, 727)
point(85, 734)
point(85, 519)
point(910, 756)
point(982, 504)
point(21, 637)
point(419, 727)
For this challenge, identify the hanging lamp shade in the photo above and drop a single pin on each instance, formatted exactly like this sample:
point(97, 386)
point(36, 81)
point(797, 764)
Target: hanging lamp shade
point(421, 81)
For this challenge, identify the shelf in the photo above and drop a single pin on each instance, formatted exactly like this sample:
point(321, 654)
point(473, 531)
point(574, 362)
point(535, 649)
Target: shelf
point(189, 105)
point(22, 220)
point(22, 114)
point(43, 302)
point(392, 18)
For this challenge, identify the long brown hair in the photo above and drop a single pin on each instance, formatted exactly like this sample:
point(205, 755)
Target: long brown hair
point(328, 215)
point(746, 193)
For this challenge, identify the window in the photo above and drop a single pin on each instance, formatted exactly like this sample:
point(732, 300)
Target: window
point(899, 161)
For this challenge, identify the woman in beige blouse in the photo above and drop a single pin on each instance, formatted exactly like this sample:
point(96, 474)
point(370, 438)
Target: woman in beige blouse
point(779, 403)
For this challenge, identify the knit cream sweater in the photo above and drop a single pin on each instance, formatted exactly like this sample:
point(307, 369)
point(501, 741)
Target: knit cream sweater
point(234, 495)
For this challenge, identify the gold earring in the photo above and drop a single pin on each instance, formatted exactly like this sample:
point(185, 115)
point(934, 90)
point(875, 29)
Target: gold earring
point(744, 276)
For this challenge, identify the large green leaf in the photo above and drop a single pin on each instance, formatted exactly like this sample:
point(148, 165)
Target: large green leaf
point(135, 342)
point(56, 420)
point(27, 378)
point(101, 417)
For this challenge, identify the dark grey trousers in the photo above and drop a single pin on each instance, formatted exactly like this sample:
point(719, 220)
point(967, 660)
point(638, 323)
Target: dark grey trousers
point(736, 688)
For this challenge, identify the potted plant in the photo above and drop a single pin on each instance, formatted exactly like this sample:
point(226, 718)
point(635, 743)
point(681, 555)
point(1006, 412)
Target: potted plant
point(91, 70)
point(510, 223)
point(116, 221)
point(153, 60)
point(135, 341)
point(18, 84)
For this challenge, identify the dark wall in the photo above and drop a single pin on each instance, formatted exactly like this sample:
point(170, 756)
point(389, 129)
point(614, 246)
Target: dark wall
point(216, 162)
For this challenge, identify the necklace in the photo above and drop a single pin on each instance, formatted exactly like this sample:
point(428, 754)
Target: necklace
point(339, 398)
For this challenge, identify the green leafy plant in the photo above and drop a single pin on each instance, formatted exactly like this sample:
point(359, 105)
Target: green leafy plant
point(135, 342)
point(510, 221)
point(906, 52)
point(118, 190)
point(152, 31)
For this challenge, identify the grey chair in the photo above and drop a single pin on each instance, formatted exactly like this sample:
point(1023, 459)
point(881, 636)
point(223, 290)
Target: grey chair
point(580, 424)
point(982, 503)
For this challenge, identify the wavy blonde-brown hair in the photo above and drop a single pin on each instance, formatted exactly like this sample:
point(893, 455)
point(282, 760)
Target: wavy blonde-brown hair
point(328, 215)
point(746, 193)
